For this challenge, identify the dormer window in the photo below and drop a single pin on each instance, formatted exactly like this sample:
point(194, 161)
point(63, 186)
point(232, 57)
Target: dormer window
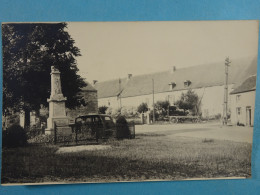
point(187, 83)
point(238, 98)
point(172, 85)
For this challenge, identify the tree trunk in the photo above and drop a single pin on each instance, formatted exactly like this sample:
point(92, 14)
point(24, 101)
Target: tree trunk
point(26, 118)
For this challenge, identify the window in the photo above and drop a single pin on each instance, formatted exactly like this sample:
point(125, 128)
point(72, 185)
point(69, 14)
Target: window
point(238, 98)
point(187, 83)
point(238, 111)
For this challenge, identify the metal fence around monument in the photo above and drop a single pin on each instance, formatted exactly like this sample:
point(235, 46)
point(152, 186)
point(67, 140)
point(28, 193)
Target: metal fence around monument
point(80, 135)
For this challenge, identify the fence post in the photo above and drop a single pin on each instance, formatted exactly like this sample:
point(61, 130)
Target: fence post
point(76, 137)
point(55, 133)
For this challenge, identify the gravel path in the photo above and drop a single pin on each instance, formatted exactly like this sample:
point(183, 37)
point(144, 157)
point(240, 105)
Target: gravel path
point(82, 148)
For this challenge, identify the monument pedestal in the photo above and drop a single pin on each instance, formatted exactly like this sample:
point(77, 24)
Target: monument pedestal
point(61, 122)
point(57, 111)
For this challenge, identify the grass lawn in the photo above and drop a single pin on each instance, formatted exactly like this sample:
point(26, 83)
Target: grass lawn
point(148, 157)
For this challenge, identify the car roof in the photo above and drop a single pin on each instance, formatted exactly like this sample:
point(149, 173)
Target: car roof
point(82, 116)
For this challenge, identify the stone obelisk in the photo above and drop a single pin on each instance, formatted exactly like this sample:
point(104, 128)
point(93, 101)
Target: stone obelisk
point(57, 111)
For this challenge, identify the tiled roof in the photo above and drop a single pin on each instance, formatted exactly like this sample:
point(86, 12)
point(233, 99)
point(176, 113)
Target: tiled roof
point(200, 76)
point(248, 85)
point(110, 88)
point(89, 87)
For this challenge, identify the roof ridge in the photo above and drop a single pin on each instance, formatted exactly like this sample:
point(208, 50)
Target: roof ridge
point(111, 80)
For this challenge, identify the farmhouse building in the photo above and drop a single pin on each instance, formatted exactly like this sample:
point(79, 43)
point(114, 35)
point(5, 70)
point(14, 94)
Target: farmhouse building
point(243, 102)
point(206, 80)
point(91, 103)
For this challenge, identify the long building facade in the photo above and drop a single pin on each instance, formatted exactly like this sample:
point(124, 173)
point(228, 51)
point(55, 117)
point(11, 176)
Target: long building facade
point(205, 80)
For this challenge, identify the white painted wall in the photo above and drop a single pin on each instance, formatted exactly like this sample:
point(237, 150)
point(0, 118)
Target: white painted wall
point(242, 101)
point(211, 102)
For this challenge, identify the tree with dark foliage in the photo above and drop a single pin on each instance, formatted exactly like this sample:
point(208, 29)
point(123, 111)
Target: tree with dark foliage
point(189, 101)
point(142, 108)
point(29, 51)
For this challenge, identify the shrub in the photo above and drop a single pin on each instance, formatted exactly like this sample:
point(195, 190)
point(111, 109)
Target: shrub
point(122, 130)
point(14, 136)
point(102, 109)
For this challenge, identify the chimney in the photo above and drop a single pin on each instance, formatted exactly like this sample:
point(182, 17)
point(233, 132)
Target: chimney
point(94, 82)
point(129, 76)
point(173, 69)
point(172, 85)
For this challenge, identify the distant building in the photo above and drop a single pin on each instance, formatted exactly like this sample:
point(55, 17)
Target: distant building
point(90, 96)
point(243, 102)
point(206, 80)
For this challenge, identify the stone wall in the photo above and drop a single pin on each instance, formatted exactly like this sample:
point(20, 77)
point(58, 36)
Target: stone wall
point(91, 106)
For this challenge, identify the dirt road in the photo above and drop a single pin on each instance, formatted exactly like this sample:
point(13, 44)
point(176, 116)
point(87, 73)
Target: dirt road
point(201, 130)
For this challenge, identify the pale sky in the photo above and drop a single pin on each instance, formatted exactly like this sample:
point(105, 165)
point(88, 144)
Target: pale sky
point(111, 50)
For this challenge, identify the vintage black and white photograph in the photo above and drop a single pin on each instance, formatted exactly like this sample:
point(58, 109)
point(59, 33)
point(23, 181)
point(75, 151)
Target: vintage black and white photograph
point(91, 102)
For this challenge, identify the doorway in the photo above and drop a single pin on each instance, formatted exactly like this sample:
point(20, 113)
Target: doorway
point(248, 116)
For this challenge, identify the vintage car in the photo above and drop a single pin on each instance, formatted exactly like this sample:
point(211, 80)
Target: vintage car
point(97, 125)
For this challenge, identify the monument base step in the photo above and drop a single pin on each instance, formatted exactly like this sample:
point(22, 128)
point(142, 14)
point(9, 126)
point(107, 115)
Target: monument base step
point(61, 131)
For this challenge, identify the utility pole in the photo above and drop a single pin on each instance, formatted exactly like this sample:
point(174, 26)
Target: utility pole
point(225, 107)
point(153, 103)
point(119, 94)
